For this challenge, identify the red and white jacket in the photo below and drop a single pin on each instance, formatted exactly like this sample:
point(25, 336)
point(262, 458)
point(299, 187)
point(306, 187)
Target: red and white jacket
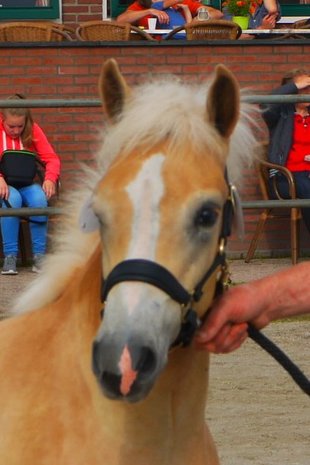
point(40, 146)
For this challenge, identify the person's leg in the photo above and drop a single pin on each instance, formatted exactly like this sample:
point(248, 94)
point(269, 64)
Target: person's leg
point(10, 224)
point(302, 182)
point(34, 197)
point(9, 232)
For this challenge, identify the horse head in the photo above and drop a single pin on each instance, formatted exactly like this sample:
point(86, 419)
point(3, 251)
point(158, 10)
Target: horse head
point(159, 206)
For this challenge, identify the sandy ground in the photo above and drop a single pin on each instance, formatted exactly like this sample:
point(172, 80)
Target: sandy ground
point(257, 414)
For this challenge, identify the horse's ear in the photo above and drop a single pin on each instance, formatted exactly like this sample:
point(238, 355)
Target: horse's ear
point(223, 102)
point(113, 89)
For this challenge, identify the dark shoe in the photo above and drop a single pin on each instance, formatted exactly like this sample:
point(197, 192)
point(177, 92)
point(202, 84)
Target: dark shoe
point(9, 265)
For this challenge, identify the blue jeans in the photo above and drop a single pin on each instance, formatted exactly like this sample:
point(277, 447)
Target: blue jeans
point(30, 196)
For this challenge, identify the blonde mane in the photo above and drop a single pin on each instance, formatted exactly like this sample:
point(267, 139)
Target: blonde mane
point(157, 111)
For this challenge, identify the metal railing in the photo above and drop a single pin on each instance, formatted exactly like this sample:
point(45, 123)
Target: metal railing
point(25, 211)
point(252, 204)
point(75, 103)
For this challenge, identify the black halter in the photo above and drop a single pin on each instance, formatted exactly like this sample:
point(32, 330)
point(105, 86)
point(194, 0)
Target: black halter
point(150, 272)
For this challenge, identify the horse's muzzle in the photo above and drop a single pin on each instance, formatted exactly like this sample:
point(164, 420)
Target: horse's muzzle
point(125, 372)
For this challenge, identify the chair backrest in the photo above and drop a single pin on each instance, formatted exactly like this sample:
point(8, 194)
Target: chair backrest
point(109, 31)
point(103, 30)
point(66, 32)
point(267, 183)
point(213, 29)
point(24, 31)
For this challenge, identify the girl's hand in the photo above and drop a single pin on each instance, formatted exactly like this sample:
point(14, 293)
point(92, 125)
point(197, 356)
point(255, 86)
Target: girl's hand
point(49, 188)
point(4, 189)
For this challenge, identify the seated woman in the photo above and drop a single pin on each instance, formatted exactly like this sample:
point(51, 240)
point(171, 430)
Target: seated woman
point(289, 130)
point(169, 13)
point(18, 132)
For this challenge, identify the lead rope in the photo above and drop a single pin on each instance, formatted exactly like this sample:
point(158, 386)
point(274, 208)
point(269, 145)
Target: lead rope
point(293, 370)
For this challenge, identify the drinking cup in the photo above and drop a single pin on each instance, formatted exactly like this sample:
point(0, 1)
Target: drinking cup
point(152, 23)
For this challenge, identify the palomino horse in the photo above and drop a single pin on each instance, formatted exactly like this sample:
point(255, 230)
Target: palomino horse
point(82, 386)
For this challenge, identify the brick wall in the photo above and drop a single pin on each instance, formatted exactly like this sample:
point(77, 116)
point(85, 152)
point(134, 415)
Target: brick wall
point(77, 11)
point(71, 71)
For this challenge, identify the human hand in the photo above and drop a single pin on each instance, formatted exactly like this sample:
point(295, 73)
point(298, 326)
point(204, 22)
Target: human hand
point(226, 324)
point(49, 188)
point(302, 81)
point(162, 16)
point(269, 21)
point(4, 189)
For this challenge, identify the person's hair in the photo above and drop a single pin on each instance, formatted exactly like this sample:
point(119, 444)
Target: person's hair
point(145, 3)
point(288, 77)
point(26, 134)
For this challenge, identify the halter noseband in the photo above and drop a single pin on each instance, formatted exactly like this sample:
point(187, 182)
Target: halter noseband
point(150, 272)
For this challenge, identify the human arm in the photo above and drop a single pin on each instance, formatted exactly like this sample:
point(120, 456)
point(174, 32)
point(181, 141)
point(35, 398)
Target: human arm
point(283, 294)
point(177, 5)
point(133, 17)
point(272, 111)
point(50, 159)
point(271, 6)
point(185, 11)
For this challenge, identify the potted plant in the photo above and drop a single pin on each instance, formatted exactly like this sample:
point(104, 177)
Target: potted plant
point(240, 10)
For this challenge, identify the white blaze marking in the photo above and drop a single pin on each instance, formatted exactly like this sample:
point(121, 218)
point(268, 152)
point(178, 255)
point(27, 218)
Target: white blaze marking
point(145, 193)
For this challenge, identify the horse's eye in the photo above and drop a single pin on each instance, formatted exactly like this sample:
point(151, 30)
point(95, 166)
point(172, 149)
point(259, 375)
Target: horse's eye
point(206, 217)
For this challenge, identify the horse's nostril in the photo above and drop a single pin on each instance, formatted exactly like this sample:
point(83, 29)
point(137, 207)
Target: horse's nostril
point(146, 362)
point(111, 381)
